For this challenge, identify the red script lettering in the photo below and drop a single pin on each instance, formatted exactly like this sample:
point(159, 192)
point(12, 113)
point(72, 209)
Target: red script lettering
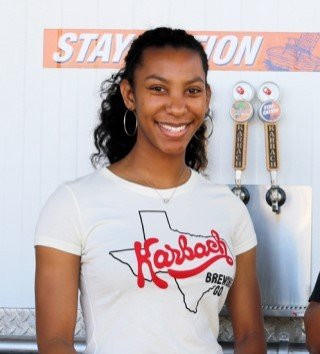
point(163, 259)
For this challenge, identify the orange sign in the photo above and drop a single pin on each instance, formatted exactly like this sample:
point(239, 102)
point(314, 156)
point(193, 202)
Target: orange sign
point(229, 51)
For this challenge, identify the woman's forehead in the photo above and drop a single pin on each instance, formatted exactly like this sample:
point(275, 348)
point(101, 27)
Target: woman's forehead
point(163, 60)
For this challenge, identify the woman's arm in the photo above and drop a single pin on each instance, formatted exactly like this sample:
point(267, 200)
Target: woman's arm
point(312, 325)
point(56, 289)
point(244, 305)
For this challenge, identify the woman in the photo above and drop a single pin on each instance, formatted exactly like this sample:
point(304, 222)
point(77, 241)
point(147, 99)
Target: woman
point(156, 246)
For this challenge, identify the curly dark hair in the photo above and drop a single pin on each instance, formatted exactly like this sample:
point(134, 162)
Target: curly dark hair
point(110, 139)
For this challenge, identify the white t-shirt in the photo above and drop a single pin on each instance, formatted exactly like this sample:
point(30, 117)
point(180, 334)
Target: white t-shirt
point(154, 276)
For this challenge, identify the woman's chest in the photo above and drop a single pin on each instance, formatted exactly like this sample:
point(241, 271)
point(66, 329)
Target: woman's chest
point(156, 250)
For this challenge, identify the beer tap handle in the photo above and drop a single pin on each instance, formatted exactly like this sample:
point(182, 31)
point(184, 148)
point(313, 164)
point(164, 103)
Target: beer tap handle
point(275, 196)
point(241, 112)
point(270, 113)
point(239, 162)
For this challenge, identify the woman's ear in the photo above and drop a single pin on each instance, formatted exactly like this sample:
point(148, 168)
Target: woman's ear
point(127, 94)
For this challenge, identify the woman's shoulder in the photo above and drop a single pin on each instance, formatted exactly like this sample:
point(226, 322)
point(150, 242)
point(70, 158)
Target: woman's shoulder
point(93, 180)
point(82, 188)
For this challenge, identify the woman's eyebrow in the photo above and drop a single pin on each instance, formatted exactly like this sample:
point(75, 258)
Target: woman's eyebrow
point(196, 79)
point(156, 77)
point(160, 78)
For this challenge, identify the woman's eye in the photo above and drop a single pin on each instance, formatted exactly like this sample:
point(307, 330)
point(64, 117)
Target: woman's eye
point(193, 90)
point(157, 89)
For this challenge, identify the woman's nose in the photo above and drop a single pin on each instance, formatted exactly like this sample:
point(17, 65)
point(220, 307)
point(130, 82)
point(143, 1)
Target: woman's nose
point(176, 106)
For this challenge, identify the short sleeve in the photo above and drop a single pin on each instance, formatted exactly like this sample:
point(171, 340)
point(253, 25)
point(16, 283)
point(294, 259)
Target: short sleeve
point(59, 224)
point(315, 296)
point(244, 236)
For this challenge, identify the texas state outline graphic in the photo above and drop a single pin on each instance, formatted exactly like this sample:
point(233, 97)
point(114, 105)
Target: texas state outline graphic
point(199, 252)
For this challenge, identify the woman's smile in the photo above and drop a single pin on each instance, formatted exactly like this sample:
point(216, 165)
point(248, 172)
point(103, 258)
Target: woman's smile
point(173, 130)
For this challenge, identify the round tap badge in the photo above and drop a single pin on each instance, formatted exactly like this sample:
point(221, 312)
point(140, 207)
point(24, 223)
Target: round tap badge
point(243, 91)
point(270, 111)
point(241, 111)
point(269, 91)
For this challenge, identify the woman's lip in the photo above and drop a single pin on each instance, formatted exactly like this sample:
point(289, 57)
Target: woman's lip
point(173, 130)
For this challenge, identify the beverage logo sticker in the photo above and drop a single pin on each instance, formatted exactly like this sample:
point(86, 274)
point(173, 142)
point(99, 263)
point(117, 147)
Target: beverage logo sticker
point(241, 111)
point(269, 91)
point(243, 91)
point(270, 111)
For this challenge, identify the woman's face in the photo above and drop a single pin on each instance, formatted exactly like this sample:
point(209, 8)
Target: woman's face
point(170, 97)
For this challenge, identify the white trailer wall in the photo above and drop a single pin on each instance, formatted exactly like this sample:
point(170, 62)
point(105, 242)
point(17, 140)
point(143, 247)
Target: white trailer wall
point(47, 115)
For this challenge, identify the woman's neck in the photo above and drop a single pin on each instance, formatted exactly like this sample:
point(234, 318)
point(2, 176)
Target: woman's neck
point(156, 170)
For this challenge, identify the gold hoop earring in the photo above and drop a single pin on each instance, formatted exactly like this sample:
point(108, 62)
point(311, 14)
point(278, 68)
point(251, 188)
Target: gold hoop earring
point(125, 122)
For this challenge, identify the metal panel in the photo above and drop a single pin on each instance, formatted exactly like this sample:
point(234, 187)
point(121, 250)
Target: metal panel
point(274, 348)
point(276, 329)
point(284, 249)
point(18, 325)
point(28, 346)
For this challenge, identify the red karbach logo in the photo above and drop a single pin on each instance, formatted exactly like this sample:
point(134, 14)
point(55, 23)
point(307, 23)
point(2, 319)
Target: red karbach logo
point(198, 264)
point(168, 257)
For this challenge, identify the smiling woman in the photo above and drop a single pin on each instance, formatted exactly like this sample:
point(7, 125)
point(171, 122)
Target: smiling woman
point(155, 248)
point(170, 101)
point(142, 75)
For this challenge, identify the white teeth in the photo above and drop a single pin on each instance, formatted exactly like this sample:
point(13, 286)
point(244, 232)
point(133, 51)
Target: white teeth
point(172, 129)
